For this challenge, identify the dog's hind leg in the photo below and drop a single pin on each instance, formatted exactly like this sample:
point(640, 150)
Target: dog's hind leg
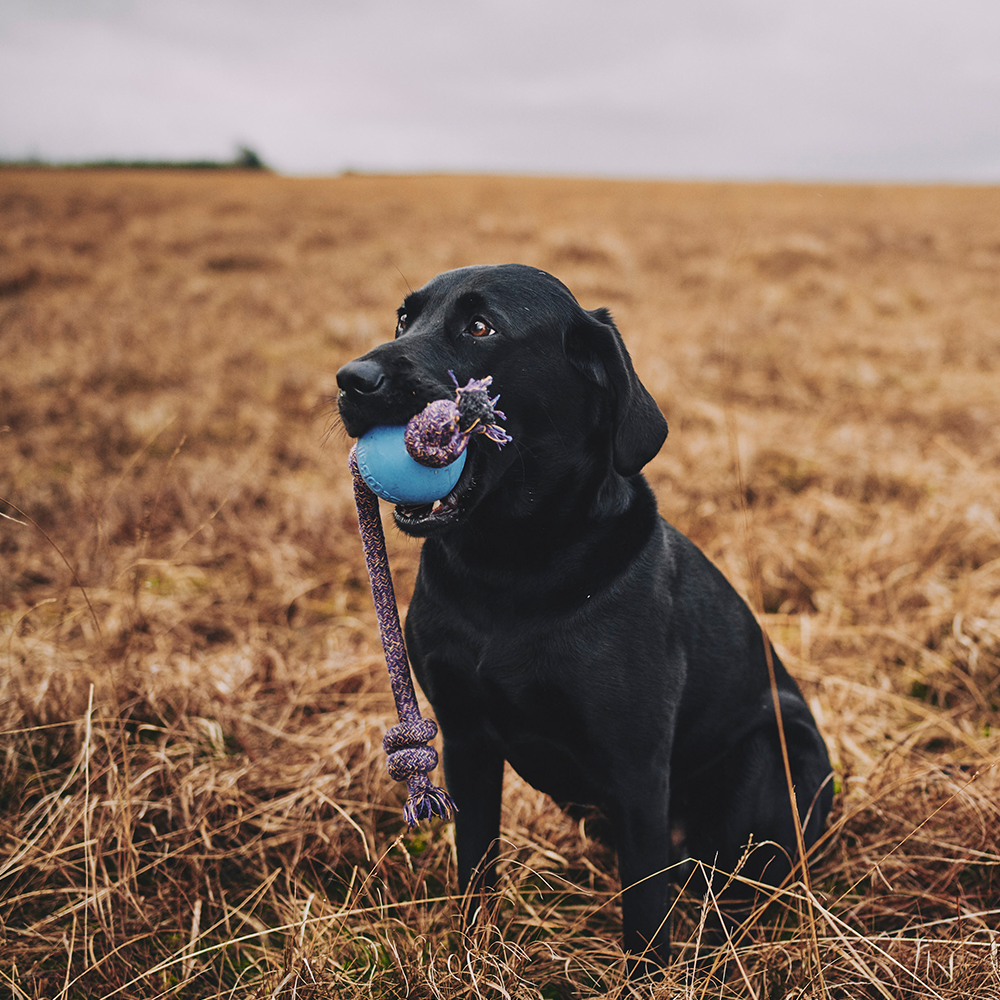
point(738, 816)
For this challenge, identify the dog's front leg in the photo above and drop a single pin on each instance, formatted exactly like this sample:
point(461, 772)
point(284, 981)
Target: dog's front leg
point(473, 771)
point(643, 864)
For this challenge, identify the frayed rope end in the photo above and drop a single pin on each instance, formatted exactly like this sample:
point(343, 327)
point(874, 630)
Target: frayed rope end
point(425, 801)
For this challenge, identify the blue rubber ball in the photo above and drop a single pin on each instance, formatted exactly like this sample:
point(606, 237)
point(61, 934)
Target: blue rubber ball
point(390, 472)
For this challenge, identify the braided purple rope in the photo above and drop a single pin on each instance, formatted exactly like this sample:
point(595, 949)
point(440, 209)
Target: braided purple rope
point(435, 437)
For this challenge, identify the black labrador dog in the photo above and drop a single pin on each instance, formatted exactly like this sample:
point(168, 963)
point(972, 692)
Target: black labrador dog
point(559, 623)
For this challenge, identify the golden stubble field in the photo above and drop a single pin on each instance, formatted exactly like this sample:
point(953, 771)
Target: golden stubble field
point(192, 695)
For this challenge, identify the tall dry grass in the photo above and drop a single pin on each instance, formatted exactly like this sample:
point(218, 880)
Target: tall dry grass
point(194, 799)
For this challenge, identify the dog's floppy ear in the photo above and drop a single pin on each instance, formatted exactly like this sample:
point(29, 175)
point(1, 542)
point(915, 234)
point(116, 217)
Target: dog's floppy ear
point(594, 345)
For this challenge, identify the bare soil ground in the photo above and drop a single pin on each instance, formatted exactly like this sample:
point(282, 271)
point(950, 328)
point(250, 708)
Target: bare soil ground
point(192, 696)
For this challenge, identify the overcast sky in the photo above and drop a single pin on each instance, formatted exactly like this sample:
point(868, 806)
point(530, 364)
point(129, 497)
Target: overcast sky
point(905, 90)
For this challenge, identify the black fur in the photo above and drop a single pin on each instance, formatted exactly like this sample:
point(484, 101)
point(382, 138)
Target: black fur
point(560, 624)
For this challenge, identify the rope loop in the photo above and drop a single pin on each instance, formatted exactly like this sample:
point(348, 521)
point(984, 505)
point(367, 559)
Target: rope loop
point(409, 733)
point(409, 762)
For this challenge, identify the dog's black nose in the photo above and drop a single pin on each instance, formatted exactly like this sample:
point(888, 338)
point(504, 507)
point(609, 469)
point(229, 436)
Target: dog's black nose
point(363, 377)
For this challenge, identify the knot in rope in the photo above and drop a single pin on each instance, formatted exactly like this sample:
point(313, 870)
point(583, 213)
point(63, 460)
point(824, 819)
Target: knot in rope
point(438, 434)
point(408, 762)
point(408, 734)
point(408, 754)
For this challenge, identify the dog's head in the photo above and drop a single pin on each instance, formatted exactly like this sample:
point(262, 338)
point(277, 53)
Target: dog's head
point(575, 408)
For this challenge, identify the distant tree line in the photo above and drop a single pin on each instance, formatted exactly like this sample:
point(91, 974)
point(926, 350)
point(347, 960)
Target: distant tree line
point(245, 159)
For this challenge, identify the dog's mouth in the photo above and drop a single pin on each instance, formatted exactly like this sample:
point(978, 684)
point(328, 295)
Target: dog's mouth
point(425, 518)
point(421, 520)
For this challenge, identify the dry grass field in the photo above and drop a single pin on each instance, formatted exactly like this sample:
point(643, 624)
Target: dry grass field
point(192, 696)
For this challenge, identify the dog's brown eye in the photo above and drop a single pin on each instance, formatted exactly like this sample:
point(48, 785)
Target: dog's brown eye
point(480, 328)
point(400, 324)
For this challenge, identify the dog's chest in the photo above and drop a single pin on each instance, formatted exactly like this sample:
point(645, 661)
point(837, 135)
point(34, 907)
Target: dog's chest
point(529, 706)
point(518, 684)
point(539, 695)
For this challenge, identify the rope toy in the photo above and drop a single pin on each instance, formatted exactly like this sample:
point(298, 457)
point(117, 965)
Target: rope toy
point(433, 441)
